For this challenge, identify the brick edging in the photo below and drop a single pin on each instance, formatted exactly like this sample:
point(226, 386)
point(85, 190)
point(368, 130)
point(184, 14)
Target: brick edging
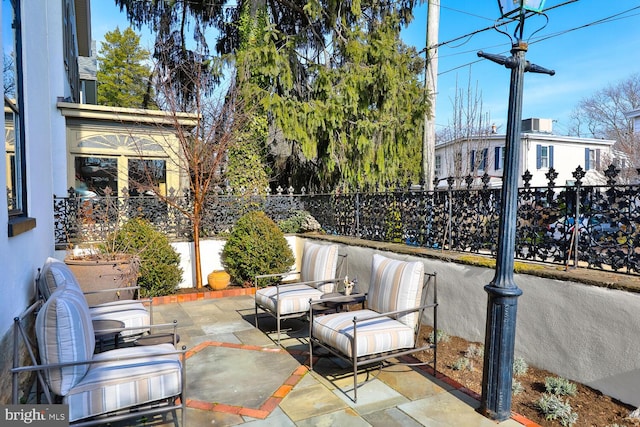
point(202, 295)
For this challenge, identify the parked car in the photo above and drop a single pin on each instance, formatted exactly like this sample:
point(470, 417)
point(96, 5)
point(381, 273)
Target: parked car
point(595, 226)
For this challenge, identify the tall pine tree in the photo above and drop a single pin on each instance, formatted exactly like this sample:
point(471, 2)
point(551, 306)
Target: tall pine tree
point(123, 75)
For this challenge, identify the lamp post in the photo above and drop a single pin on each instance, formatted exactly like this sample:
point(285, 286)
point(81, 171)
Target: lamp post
point(502, 292)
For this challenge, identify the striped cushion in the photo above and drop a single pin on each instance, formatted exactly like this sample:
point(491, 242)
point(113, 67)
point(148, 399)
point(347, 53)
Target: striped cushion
point(114, 385)
point(65, 334)
point(319, 262)
point(131, 317)
point(374, 336)
point(292, 299)
point(56, 273)
point(395, 285)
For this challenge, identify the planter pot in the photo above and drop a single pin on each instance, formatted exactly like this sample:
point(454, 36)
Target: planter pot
point(218, 279)
point(95, 275)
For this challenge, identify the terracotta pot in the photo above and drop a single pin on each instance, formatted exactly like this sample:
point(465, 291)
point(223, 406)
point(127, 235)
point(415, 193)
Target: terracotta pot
point(96, 274)
point(218, 279)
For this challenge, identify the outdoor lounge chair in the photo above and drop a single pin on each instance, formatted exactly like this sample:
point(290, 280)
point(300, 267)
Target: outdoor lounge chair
point(133, 314)
point(388, 327)
point(291, 300)
point(99, 388)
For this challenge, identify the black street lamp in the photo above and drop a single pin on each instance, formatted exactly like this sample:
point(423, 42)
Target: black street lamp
point(502, 292)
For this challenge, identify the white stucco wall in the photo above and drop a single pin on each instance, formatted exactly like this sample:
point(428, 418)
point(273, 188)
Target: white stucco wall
point(20, 256)
point(210, 250)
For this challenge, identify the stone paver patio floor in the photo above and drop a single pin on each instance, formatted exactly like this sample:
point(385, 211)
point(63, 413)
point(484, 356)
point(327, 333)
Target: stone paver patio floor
point(237, 375)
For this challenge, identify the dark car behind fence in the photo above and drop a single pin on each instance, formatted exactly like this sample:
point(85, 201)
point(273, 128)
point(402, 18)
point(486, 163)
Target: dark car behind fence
point(458, 217)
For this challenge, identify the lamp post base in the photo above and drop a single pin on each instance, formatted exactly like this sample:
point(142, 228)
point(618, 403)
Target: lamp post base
point(498, 351)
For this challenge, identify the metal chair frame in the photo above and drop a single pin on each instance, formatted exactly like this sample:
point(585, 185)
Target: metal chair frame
point(358, 362)
point(162, 406)
point(277, 315)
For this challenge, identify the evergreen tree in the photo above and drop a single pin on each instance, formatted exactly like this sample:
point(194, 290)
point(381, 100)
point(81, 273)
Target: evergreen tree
point(340, 91)
point(123, 76)
point(355, 120)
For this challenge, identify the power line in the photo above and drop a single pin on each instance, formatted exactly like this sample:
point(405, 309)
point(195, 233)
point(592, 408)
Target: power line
point(608, 19)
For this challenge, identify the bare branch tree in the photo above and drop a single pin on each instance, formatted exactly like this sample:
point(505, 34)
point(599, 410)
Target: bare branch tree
point(467, 133)
point(215, 125)
point(602, 115)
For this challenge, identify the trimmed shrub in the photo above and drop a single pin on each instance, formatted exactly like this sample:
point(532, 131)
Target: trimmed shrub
point(256, 246)
point(160, 272)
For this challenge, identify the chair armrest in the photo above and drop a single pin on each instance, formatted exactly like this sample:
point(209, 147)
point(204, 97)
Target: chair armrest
point(124, 302)
point(181, 353)
point(267, 276)
point(394, 313)
point(264, 276)
point(310, 282)
point(135, 289)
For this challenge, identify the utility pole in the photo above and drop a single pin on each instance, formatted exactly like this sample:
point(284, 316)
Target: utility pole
point(431, 85)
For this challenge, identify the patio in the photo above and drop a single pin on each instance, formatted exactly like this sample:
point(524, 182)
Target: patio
point(236, 374)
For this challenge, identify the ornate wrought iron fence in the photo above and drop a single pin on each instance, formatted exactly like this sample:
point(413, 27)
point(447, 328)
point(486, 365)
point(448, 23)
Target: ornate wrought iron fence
point(592, 226)
point(89, 220)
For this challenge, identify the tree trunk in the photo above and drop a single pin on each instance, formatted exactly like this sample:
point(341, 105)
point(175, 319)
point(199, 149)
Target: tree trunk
point(196, 253)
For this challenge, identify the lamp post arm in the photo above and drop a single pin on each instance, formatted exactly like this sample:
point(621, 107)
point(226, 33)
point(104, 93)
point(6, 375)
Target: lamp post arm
point(538, 69)
point(498, 59)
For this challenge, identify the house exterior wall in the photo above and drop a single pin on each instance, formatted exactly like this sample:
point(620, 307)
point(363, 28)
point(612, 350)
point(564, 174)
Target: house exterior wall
point(43, 81)
point(463, 157)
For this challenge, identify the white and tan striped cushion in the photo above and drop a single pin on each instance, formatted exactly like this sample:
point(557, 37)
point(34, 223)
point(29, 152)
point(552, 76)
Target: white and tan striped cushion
point(65, 334)
point(55, 273)
point(114, 385)
point(373, 336)
point(131, 317)
point(319, 262)
point(292, 299)
point(395, 285)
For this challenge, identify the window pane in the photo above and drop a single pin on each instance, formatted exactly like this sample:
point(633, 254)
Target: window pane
point(147, 176)
point(13, 136)
point(95, 174)
point(544, 157)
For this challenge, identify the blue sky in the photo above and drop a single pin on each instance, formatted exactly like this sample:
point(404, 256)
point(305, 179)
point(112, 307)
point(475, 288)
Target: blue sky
point(585, 60)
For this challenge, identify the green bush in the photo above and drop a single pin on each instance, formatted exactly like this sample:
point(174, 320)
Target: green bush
point(160, 271)
point(440, 335)
point(462, 364)
point(554, 408)
point(560, 386)
point(516, 388)
point(520, 367)
point(299, 222)
point(256, 246)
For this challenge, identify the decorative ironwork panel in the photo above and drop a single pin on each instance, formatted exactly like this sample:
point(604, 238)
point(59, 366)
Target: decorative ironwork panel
point(597, 226)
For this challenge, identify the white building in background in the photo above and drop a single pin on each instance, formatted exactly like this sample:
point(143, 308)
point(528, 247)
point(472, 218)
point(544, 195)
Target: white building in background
point(634, 116)
point(541, 150)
